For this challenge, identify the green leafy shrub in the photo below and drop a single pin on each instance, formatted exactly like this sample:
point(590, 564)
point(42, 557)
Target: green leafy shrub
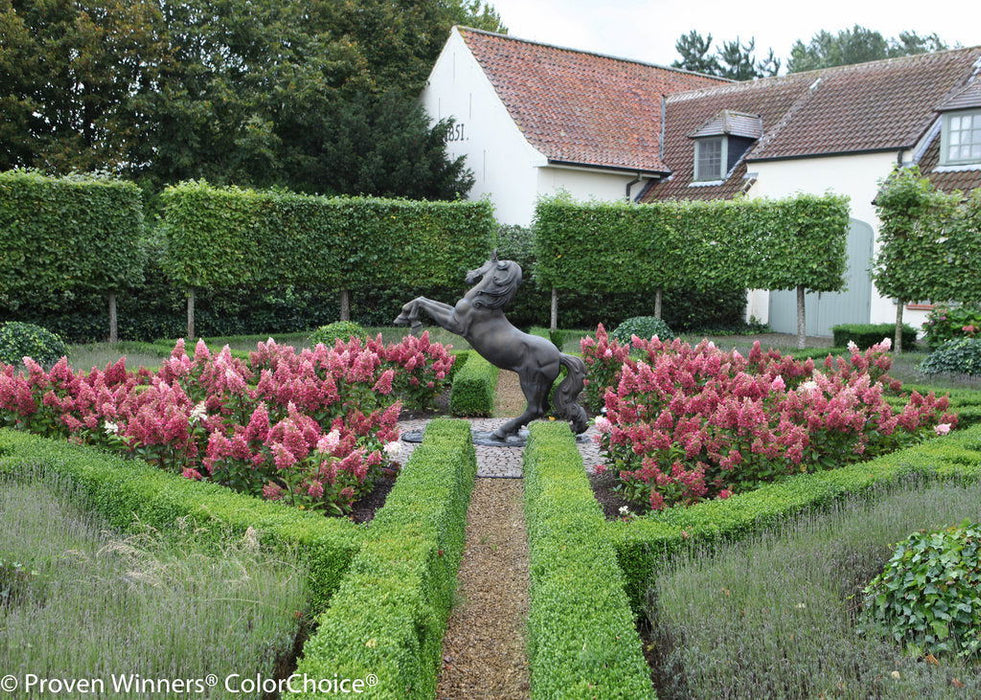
point(929, 594)
point(19, 340)
point(949, 322)
point(473, 388)
point(961, 356)
point(645, 327)
point(339, 330)
point(865, 335)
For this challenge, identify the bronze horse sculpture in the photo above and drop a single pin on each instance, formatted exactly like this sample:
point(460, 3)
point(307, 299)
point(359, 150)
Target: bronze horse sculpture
point(479, 318)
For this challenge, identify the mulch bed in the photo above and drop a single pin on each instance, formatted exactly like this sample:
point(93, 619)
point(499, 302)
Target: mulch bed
point(611, 501)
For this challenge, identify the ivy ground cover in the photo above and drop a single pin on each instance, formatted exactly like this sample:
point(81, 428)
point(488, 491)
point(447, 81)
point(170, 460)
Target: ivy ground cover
point(688, 423)
point(313, 428)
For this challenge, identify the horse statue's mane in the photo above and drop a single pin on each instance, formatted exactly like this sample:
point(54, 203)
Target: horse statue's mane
point(498, 286)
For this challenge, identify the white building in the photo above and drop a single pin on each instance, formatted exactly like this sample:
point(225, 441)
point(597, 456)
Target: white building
point(533, 119)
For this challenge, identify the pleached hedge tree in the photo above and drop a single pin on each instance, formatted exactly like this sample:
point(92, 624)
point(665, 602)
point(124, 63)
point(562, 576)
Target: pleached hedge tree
point(69, 235)
point(930, 243)
point(796, 243)
point(224, 237)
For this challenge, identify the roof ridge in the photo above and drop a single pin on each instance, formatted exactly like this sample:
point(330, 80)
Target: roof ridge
point(815, 74)
point(610, 57)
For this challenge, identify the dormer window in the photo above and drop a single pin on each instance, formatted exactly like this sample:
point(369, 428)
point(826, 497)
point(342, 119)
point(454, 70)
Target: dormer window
point(722, 141)
point(710, 154)
point(961, 138)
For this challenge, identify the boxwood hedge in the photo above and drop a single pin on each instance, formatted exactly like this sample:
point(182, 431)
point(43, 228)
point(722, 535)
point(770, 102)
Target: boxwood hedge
point(385, 624)
point(581, 637)
point(474, 385)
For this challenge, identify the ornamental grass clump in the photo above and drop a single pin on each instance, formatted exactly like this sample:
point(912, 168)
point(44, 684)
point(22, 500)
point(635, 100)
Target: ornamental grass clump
point(313, 428)
point(685, 424)
point(928, 597)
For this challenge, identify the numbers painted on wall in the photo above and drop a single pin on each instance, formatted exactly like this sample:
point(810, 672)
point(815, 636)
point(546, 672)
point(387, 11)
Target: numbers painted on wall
point(457, 133)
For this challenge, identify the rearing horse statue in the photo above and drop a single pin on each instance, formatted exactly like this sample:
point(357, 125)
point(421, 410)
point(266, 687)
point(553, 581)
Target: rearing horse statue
point(479, 318)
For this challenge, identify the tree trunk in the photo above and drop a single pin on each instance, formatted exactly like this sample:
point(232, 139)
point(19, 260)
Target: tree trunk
point(657, 303)
point(554, 321)
point(190, 314)
point(801, 318)
point(345, 305)
point(898, 345)
point(113, 319)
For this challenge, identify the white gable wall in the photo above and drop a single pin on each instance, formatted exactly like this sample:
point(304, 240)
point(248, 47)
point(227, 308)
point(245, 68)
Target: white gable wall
point(504, 164)
point(857, 177)
point(507, 169)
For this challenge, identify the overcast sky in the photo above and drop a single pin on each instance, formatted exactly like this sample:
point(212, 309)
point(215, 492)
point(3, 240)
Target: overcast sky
point(646, 30)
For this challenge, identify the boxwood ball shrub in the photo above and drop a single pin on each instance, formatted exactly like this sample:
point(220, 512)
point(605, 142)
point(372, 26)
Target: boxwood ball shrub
point(20, 340)
point(962, 356)
point(645, 327)
point(929, 594)
point(865, 335)
point(339, 330)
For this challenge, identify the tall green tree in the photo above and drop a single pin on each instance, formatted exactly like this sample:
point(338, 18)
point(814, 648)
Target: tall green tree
point(734, 59)
point(856, 45)
point(235, 91)
point(68, 71)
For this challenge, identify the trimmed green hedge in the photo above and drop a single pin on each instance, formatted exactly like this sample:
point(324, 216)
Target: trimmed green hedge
point(388, 618)
point(582, 641)
point(474, 387)
point(742, 243)
point(644, 544)
point(124, 491)
point(68, 234)
point(865, 335)
point(223, 237)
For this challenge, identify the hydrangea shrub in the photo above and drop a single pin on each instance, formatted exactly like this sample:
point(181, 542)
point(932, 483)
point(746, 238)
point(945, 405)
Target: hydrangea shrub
point(687, 423)
point(313, 428)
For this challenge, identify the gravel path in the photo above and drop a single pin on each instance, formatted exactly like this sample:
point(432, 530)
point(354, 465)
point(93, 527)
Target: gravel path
point(484, 648)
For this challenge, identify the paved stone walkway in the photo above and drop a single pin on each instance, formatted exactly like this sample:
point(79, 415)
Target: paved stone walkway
point(502, 462)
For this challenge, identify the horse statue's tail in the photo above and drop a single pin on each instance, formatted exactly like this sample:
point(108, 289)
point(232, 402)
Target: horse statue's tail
point(566, 406)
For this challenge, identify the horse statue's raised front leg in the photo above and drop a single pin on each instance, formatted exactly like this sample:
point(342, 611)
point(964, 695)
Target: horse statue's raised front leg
point(443, 314)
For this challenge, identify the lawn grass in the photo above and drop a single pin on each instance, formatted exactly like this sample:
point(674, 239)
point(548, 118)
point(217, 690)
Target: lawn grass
point(774, 616)
point(157, 605)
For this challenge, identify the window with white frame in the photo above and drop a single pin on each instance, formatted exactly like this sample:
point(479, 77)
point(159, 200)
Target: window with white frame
point(710, 156)
point(961, 141)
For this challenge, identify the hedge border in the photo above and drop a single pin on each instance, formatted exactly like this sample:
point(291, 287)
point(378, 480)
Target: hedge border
point(865, 335)
point(643, 544)
point(123, 491)
point(387, 619)
point(474, 387)
point(582, 641)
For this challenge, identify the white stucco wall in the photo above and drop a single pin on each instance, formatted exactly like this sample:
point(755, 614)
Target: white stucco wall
point(585, 185)
point(856, 176)
point(504, 164)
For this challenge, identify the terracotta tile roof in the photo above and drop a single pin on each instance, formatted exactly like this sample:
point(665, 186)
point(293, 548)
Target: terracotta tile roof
point(947, 179)
point(582, 108)
point(967, 97)
point(878, 106)
point(771, 99)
